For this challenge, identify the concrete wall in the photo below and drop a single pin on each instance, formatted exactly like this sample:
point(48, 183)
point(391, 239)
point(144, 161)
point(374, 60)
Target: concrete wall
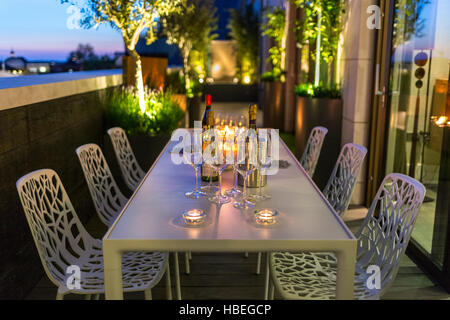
point(35, 136)
point(356, 66)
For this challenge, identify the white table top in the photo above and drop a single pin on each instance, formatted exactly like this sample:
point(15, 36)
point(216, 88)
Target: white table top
point(153, 212)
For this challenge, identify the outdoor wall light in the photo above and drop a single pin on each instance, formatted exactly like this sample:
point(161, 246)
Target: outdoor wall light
point(441, 121)
point(266, 216)
point(194, 216)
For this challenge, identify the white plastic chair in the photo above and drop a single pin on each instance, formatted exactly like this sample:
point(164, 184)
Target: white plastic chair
point(62, 241)
point(106, 195)
point(312, 150)
point(382, 240)
point(129, 167)
point(340, 185)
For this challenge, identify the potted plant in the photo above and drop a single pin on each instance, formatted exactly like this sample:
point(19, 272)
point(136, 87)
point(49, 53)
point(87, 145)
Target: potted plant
point(319, 106)
point(318, 95)
point(273, 80)
point(149, 131)
point(191, 30)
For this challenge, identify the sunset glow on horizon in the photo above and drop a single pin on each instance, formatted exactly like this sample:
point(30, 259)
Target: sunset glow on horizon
point(38, 30)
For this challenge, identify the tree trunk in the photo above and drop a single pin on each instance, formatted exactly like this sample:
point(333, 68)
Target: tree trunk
point(186, 70)
point(138, 81)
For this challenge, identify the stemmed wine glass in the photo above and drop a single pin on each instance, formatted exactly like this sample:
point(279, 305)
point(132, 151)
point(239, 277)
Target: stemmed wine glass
point(219, 163)
point(193, 156)
point(234, 192)
point(209, 189)
point(264, 162)
point(246, 163)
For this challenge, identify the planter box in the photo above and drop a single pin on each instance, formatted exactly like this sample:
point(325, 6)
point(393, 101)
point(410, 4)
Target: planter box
point(312, 112)
point(145, 148)
point(273, 104)
point(153, 70)
point(181, 99)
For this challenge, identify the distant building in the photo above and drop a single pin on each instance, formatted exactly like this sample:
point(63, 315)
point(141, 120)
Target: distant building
point(38, 67)
point(15, 64)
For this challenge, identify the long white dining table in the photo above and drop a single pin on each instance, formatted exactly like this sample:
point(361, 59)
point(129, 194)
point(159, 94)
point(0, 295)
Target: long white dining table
point(306, 221)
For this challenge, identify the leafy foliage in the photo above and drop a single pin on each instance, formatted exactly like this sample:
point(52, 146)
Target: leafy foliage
point(330, 25)
point(162, 115)
point(244, 29)
point(131, 17)
point(192, 29)
point(310, 91)
point(175, 82)
point(276, 21)
point(85, 57)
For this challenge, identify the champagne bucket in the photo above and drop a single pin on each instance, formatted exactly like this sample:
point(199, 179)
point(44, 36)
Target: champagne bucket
point(253, 180)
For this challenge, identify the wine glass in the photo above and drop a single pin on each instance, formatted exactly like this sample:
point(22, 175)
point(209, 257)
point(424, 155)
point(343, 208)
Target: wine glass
point(246, 163)
point(264, 162)
point(209, 189)
point(234, 192)
point(219, 163)
point(193, 156)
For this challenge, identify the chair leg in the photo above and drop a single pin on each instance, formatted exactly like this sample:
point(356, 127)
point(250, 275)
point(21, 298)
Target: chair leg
point(186, 259)
point(266, 281)
point(177, 276)
point(87, 297)
point(190, 255)
point(148, 294)
point(168, 284)
point(271, 290)
point(258, 264)
point(59, 296)
point(97, 296)
point(246, 255)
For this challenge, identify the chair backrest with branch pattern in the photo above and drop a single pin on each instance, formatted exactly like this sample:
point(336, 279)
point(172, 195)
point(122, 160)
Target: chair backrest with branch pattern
point(131, 171)
point(386, 230)
point(106, 195)
point(60, 238)
point(339, 188)
point(312, 150)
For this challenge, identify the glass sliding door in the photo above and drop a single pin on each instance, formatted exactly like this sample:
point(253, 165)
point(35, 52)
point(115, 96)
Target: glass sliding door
point(417, 136)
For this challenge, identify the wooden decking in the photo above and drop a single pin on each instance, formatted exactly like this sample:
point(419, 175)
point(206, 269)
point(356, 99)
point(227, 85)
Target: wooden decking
point(232, 276)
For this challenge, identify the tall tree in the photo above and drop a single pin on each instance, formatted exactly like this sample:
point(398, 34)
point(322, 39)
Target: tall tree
point(131, 18)
point(192, 31)
point(244, 29)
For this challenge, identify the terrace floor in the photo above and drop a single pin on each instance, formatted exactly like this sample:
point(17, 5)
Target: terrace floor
point(220, 276)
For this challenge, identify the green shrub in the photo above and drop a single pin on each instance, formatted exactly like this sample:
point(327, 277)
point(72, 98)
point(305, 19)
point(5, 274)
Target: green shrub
point(271, 76)
point(175, 82)
point(162, 115)
point(310, 91)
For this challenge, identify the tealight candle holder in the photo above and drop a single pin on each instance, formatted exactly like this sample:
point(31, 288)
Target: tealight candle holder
point(194, 217)
point(266, 217)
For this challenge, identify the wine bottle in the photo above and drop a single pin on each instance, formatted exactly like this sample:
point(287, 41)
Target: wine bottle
point(207, 109)
point(208, 174)
point(252, 113)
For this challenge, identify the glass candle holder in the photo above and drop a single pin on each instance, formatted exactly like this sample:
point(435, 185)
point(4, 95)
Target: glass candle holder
point(266, 217)
point(194, 217)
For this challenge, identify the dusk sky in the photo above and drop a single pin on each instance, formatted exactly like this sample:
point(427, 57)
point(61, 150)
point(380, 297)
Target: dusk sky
point(38, 30)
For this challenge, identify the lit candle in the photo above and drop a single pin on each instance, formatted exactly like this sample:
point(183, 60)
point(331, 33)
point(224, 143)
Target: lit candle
point(266, 216)
point(194, 216)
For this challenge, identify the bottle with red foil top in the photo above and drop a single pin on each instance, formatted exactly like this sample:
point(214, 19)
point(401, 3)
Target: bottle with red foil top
point(207, 109)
